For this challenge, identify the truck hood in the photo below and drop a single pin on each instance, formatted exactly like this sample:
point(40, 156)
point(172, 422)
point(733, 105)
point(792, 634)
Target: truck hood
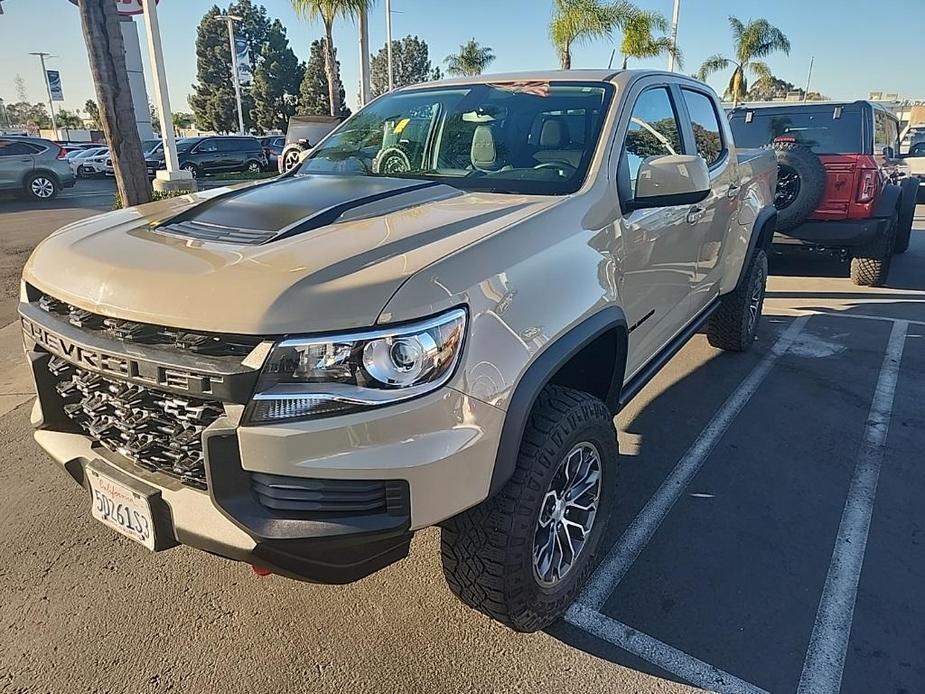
point(295, 255)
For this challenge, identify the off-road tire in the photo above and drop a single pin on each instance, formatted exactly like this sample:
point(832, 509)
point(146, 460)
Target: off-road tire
point(735, 323)
point(870, 264)
point(487, 551)
point(808, 168)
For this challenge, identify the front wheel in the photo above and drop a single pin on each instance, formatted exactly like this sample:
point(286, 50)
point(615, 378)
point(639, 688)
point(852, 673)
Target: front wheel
point(191, 168)
point(522, 556)
point(734, 325)
point(254, 167)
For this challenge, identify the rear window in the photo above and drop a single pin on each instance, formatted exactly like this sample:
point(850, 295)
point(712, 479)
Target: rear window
point(816, 128)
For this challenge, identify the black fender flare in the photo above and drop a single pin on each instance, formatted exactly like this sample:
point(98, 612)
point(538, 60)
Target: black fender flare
point(539, 374)
point(909, 194)
point(761, 237)
point(888, 201)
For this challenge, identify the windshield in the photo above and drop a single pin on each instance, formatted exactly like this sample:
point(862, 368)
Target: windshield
point(815, 127)
point(533, 138)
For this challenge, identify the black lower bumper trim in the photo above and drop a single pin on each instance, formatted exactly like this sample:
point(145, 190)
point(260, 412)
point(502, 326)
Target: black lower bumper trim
point(840, 234)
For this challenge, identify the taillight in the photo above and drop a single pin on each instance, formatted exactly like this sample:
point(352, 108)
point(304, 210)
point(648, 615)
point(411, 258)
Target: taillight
point(867, 189)
point(62, 153)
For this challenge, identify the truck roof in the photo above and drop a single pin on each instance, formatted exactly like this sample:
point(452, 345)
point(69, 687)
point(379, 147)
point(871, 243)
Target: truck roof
point(578, 75)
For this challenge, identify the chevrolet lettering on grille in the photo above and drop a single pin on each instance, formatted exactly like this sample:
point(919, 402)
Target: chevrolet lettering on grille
point(137, 370)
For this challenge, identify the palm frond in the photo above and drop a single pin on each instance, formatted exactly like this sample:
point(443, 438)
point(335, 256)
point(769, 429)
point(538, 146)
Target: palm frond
point(738, 28)
point(761, 71)
point(713, 64)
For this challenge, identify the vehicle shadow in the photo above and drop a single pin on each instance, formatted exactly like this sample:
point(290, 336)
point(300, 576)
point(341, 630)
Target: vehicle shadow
point(734, 574)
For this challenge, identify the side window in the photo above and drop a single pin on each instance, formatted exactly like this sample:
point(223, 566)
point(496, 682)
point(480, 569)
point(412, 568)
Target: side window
point(208, 146)
point(881, 133)
point(707, 132)
point(893, 133)
point(653, 131)
point(13, 148)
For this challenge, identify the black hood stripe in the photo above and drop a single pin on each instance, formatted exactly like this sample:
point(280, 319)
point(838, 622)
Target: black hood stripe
point(284, 207)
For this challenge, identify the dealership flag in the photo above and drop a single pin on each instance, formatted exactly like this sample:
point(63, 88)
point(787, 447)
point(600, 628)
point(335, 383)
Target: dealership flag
point(54, 85)
point(245, 68)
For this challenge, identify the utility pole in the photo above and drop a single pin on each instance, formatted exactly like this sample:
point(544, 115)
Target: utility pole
point(675, 16)
point(809, 78)
point(363, 26)
point(231, 19)
point(173, 178)
point(51, 103)
point(388, 41)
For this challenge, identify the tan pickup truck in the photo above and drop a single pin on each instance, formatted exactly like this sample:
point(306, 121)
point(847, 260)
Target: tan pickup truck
point(432, 320)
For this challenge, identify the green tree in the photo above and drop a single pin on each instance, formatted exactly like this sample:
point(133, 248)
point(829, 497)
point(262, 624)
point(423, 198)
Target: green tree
point(155, 118)
point(93, 112)
point(24, 114)
point(182, 121)
point(472, 59)
point(276, 81)
point(640, 42)
point(327, 11)
point(68, 119)
point(314, 93)
point(757, 39)
point(577, 21)
point(410, 65)
point(213, 97)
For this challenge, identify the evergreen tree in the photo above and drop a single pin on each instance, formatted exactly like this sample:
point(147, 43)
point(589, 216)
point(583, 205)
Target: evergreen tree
point(313, 96)
point(410, 62)
point(276, 81)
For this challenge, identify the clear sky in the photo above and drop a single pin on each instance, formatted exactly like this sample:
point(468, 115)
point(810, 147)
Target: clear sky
point(857, 44)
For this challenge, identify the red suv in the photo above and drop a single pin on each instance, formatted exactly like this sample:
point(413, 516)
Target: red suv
point(841, 186)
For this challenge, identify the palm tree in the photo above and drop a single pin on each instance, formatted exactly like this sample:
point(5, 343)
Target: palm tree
point(575, 21)
point(639, 42)
point(472, 59)
point(757, 39)
point(327, 11)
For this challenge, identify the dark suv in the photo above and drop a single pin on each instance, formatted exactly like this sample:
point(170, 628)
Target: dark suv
point(214, 154)
point(841, 183)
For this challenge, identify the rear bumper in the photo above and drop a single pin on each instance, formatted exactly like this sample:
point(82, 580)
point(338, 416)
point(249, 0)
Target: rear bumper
point(836, 234)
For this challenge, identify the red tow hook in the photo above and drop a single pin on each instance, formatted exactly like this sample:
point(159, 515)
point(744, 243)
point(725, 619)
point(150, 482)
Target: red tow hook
point(260, 570)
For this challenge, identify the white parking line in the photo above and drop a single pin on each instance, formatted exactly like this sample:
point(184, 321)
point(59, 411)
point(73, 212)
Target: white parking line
point(621, 557)
point(825, 657)
point(661, 654)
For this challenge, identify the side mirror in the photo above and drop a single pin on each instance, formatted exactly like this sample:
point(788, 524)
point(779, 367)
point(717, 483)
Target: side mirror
point(671, 180)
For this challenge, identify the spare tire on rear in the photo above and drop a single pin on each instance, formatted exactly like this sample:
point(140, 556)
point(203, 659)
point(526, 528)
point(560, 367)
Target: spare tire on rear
point(800, 183)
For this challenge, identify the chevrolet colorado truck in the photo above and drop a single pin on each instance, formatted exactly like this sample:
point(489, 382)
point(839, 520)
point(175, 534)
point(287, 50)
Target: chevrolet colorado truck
point(432, 320)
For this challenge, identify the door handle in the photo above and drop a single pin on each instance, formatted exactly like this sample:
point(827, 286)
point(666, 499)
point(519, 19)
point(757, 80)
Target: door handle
point(733, 190)
point(695, 214)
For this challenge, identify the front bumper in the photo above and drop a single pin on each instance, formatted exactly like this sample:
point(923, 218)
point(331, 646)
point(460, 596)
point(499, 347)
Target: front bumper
point(434, 456)
point(847, 233)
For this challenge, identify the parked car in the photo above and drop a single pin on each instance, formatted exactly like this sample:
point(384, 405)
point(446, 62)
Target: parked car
point(151, 145)
point(416, 326)
point(841, 184)
point(272, 148)
point(35, 167)
point(915, 162)
point(214, 154)
point(303, 133)
point(97, 164)
point(77, 157)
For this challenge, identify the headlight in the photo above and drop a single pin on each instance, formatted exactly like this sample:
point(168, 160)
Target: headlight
point(307, 377)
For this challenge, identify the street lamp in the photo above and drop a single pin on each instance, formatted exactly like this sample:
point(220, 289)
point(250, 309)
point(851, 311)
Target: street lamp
point(388, 41)
point(675, 16)
point(51, 103)
point(231, 19)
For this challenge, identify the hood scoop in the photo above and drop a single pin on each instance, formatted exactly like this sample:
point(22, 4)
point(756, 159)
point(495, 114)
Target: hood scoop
point(284, 207)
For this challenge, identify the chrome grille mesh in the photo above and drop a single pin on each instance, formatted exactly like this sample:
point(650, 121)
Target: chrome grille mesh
point(159, 431)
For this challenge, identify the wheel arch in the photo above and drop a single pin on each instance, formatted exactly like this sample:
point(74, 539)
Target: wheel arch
point(570, 361)
point(760, 238)
point(35, 170)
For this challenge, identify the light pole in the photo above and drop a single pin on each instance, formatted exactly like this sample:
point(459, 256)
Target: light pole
point(231, 19)
point(363, 28)
point(51, 103)
point(675, 16)
point(388, 41)
point(173, 178)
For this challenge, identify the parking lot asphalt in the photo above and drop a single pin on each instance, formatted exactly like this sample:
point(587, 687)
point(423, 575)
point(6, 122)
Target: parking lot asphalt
point(768, 536)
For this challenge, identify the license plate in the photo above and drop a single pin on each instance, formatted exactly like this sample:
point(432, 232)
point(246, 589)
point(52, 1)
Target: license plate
point(121, 508)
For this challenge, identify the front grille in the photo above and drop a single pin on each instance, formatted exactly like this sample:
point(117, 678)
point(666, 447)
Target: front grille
point(343, 497)
point(159, 431)
point(210, 344)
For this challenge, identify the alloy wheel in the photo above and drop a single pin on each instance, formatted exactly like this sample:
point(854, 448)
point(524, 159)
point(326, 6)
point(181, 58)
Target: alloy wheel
point(788, 187)
point(253, 167)
point(567, 514)
point(754, 303)
point(42, 187)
